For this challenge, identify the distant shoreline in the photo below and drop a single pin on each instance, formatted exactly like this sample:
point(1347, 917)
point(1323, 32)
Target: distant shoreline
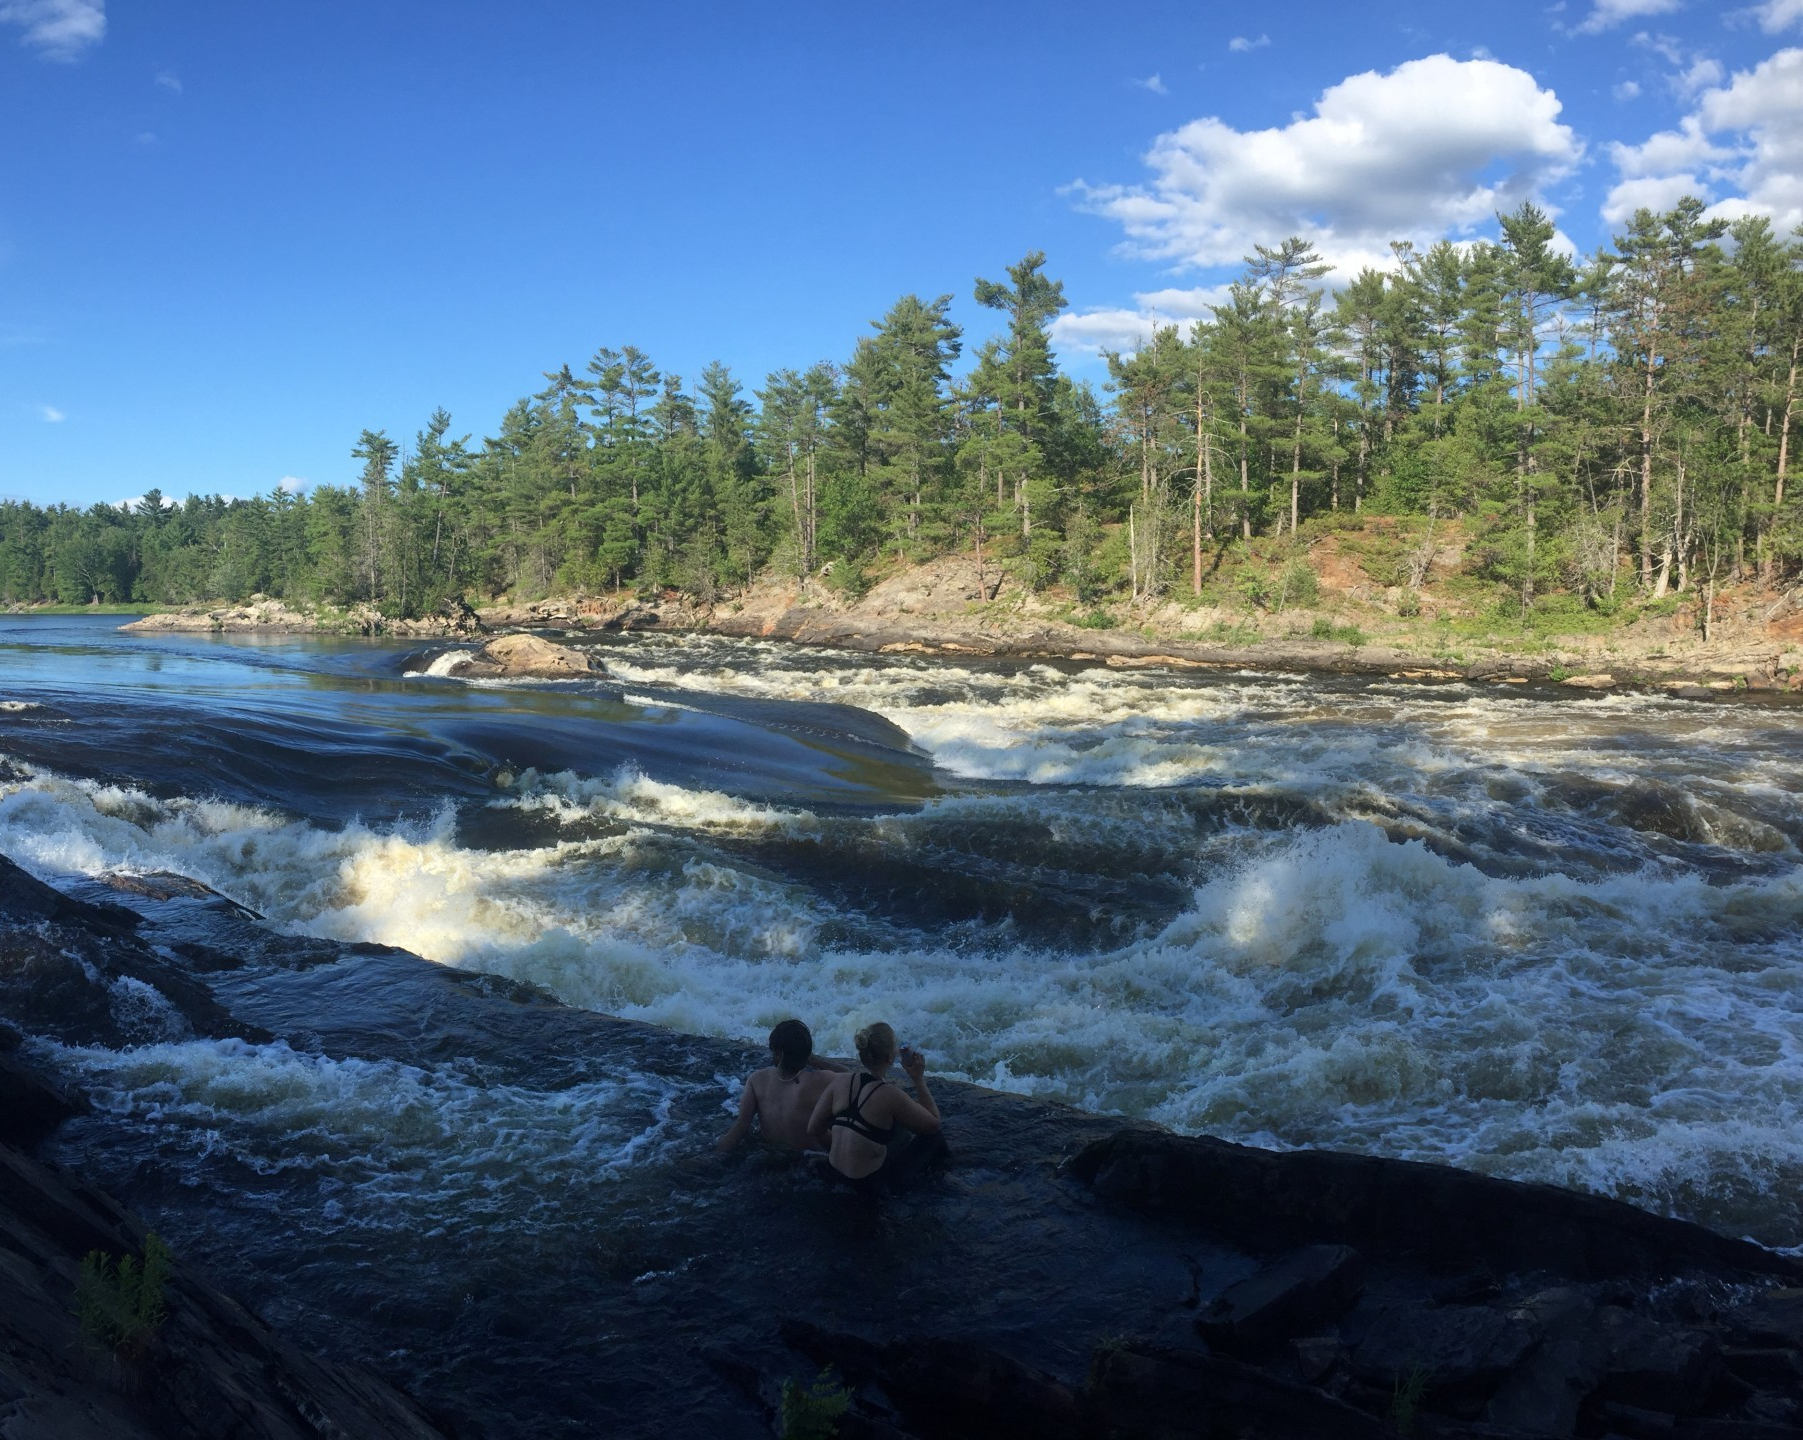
point(934, 610)
point(946, 608)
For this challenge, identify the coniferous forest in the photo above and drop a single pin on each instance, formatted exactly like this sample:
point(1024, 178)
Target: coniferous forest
point(1602, 431)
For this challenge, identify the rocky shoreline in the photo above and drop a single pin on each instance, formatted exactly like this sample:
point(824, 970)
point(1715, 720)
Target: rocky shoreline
point(946, 608)
point(1274, 1294)
point(211, 1368)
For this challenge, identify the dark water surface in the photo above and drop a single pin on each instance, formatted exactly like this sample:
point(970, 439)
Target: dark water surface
point(1548, 936)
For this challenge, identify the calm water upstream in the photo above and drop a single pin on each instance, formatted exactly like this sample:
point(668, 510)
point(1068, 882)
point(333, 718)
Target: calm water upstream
point(1546, 936)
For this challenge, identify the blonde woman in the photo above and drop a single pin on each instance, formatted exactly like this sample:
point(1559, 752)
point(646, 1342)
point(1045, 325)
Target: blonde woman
point(855, 1121)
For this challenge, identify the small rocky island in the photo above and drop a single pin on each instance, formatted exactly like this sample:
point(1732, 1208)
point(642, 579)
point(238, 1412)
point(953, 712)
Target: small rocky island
point(1157, 1285)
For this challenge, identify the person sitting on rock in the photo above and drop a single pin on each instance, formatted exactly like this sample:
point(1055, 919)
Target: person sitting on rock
point(857, 1118)
point(781, 1097)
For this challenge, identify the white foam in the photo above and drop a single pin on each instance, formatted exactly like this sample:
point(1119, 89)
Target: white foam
point(408, 1147)
point(1637, 1033)
point(630, 795)
point(443, 665)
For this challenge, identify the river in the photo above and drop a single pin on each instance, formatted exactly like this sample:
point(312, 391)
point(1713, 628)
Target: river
point(1544, 935)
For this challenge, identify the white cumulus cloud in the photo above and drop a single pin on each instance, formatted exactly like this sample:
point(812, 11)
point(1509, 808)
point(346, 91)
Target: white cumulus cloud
point(1741, 148)
point(1627, 90)
point(1666, 47)
point(58, 29)
point(52, 415)
point(1776, 15)
point(1434, 147)
point(1702, 73)
point(1240, 44)
point(1154, 83)
point(293, 484)
point(1126, 329)
point(1609, 13)
point(169, 81)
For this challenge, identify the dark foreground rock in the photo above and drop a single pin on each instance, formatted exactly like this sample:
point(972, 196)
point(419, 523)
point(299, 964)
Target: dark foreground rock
point(1430, 1215)
point(211, 1369)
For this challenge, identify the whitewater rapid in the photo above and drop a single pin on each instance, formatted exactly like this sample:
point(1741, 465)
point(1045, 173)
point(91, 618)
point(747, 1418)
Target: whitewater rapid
point(1544, 938)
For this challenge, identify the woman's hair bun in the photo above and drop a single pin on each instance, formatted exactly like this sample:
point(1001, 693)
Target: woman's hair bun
point(875, 1042)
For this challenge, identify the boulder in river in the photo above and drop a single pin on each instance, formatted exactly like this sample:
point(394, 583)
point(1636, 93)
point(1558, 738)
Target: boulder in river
point(523, 656)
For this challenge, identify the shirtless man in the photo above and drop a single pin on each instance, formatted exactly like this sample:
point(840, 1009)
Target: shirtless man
point(781, 1096)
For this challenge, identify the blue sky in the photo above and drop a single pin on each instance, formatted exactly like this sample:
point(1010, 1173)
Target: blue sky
point(232, 236)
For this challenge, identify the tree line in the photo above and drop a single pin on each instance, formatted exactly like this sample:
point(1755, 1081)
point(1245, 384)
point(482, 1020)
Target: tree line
point(1613, 428)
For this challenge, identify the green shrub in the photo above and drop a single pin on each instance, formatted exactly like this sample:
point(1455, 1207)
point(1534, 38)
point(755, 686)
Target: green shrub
point(849, 577)
point(1325, 629)
point(1256, 587)
point(811, 1412)
point(1409, 605)
point(1298, 585)
point(1096, 619)
point(1405, 1399)
point(119, 1303)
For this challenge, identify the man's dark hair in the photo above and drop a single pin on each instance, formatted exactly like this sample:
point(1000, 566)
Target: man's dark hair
point(791, 1042)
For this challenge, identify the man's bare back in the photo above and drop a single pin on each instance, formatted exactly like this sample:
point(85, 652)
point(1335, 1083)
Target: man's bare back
point(781, 1097)
point(785, 1103)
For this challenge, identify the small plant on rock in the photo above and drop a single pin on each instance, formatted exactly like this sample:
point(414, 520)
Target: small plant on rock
point(119, 1303)
point(811, 1412)
point(1405, 1399)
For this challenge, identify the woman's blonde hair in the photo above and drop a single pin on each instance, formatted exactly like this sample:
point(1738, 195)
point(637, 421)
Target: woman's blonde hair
point(876, 1044)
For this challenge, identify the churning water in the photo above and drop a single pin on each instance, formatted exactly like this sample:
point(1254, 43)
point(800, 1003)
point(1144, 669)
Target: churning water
point(1545, 936)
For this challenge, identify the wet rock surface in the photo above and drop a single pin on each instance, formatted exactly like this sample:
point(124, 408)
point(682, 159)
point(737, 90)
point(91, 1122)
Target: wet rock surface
point(1410, 1212)
point(1152, 1285)
point(210, 1369)
point(524, 656)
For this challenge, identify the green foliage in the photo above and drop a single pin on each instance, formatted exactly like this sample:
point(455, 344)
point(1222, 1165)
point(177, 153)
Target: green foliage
point(1096, 619)
point(1325, 629)
point(1594, 434)
point(119, 1303)
point(1406, 1398)
point(849, 578)
point(811, 1412)
point(1256, 587)
point(1297, 585)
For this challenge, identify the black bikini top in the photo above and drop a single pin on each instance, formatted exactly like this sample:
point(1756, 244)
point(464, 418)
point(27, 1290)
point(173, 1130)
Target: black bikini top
point(852, 1116)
